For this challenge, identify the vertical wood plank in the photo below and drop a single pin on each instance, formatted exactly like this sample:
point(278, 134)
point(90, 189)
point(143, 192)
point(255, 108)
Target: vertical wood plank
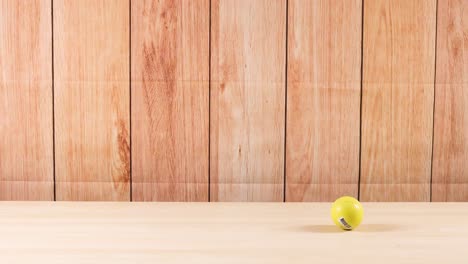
point(398, 95)
point(91, 62)
point(170, 93)
point(26, 134)
point(450, 166)
point(324, 83)
point(247, 99)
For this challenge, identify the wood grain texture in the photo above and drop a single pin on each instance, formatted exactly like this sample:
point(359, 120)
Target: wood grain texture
point(324, 89)
point(450, 166)
point(26, 141)
point(170, 93)
point(91, 62)
point(250, 233)
point(247, 100)
point(398, 95)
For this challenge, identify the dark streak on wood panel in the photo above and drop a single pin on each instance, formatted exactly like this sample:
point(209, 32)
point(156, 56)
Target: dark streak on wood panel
point(91, 63)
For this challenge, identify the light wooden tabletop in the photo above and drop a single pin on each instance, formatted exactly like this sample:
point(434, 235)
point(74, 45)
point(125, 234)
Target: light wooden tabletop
point(36, 232)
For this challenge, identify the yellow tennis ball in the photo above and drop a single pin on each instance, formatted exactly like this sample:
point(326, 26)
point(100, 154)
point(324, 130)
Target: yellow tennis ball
point(347, 212)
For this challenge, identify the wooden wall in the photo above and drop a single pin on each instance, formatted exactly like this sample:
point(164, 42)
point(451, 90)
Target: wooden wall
point(234, 100)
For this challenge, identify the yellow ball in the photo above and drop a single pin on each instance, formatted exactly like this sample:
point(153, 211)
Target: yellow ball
point(347, 212)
